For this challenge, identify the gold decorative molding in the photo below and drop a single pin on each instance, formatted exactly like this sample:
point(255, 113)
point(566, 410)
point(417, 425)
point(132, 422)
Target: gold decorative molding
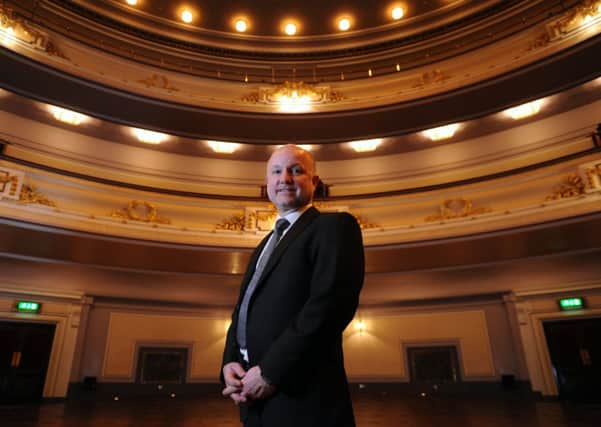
point(575, 18)
point(571, 187)
point(30, 194)
point(593, 177)
point(430, 78)
point(363, 223)
point(24, 31)
point(572, 20)
point(236, 222)
point(457, 208)
point(141, 211)
point(11, 183)
point(158, 81)
point(313, 94)
point(263, 218)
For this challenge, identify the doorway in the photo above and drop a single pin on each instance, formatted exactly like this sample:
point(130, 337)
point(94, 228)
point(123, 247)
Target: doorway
point(575, 351)
point(24, 357)
point(433, 366)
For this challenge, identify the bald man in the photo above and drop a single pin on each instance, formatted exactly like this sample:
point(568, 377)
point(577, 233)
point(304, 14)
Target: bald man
point(283, 360)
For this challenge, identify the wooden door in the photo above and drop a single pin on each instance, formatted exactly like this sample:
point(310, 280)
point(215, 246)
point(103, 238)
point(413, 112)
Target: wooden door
point(24, 355)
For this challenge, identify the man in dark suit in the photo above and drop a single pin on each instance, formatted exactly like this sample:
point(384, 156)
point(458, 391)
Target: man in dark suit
point(283, 360)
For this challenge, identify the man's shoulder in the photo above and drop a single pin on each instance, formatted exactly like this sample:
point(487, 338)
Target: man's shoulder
point(336, 217)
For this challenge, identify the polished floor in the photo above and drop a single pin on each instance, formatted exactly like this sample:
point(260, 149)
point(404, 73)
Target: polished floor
point(372, 409)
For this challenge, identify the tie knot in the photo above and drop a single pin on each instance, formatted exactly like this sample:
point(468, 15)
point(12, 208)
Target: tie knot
point(281, 225)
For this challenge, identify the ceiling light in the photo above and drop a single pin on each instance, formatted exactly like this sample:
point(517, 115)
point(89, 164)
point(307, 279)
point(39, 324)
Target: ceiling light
point(149, 137)
point(306, 147)
point(294, 102)
point(365, 145)
point(524, 110)
point(344, 24)
point(223, 147)
point(290, 29)
point(67, 116)
point(132, 2)
point(187, 16)
point(397, 13)
point(7, 36)
point(241, 25)
point(442, 132)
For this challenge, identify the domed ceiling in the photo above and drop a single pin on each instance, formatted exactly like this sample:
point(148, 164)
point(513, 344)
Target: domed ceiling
point(395, 70)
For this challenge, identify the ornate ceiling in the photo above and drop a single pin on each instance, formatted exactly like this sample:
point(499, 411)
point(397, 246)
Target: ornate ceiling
point(500, 189)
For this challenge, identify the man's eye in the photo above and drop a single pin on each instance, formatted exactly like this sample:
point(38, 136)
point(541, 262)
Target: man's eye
point(297, 171)
point(276, 171)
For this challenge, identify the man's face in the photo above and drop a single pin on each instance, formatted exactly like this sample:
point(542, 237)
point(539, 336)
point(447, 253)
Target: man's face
point(290, 179)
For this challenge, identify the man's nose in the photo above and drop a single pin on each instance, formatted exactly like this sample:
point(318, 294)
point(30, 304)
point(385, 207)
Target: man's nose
point(286, 176)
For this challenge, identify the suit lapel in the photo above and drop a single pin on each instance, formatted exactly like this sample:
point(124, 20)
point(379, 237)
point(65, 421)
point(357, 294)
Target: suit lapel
point(252, 264)
point(297, 228)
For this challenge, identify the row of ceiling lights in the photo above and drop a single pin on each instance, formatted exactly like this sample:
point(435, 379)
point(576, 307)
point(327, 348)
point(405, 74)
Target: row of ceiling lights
point(289, 27)
point(435, 134)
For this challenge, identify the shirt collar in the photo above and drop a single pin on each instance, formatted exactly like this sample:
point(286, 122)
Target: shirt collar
point(293, 216)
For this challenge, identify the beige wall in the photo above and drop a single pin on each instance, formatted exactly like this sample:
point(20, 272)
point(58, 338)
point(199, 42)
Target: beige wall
point(494, 321)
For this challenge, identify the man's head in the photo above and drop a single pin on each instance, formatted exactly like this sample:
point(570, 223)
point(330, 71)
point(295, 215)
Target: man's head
point(291, 178)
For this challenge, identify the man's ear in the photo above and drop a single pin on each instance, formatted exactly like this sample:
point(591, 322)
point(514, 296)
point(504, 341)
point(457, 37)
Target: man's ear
point(315, 180)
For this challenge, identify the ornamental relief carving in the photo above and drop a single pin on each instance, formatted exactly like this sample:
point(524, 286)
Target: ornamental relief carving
point(19, 28)
point(11, 182)
point(572, 186)
point(140, 211)
point(13, 187)
point(262, 219)
point(459, 207)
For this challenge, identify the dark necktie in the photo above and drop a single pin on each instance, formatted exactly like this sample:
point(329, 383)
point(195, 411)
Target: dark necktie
point(280, 226)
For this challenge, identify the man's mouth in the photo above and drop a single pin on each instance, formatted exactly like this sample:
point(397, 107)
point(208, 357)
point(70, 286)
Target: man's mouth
point(285, 190)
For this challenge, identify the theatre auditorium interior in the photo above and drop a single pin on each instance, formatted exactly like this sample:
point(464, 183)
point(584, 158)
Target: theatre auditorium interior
point(464, 137)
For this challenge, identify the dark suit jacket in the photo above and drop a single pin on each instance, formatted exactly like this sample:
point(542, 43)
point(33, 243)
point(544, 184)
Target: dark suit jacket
point(307, 295)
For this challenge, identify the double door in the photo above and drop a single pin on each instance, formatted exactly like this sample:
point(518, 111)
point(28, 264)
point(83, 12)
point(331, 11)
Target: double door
point(24, 355)
point(575, 350)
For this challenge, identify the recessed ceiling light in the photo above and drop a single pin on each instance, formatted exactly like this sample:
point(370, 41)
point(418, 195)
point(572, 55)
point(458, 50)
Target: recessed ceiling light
point(524, 110)
point(397, 13)
point(344, 24)
point(365, 145)
point(187, 16)
point(306, 147)
point(132, 2)
point(241, 25)
point(290, 29)
point(7, 36)
point(442, 132)
point(149, 137)
point(67, 116)
point(223, 147)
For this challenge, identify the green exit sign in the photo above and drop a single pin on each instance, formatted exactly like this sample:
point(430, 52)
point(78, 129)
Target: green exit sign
point(28, 307)
point(574, 303)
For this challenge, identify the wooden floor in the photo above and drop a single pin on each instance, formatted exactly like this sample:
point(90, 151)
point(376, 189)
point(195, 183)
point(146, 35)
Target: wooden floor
point(372, 409)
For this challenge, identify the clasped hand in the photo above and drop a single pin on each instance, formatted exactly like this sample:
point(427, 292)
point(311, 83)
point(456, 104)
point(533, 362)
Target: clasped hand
point(244, 386)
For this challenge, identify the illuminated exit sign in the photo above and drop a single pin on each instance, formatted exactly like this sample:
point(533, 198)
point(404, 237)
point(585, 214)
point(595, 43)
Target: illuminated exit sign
point(571, 303)
point(28, 307)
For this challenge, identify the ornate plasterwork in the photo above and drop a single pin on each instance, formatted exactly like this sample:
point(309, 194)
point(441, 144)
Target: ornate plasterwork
point(314, 94)
point(457, 208)
point(236, 222)
point(158, 81)
point(11, 182)
point(576, 18)
point(25, 32)
point(593, 176)
point(572, 186)
point(431, 77)
point(141, 211)
point(572, 20)
point(263, 218)
point(30, 194)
